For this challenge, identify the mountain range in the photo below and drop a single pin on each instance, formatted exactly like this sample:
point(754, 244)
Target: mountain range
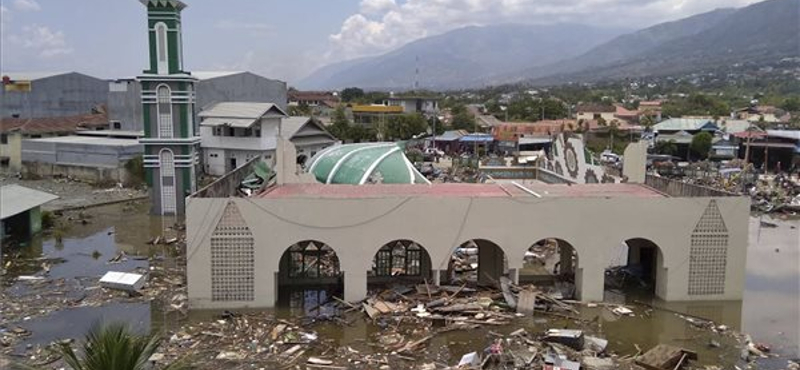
point(551, 54)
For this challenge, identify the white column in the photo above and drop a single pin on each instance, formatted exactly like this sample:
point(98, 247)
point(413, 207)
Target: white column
point(589, 282)
point(355, 286)
point(513, 274)
point(437, 277)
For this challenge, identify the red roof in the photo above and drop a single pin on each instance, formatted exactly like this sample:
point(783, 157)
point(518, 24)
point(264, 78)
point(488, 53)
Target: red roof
point(459, 190)
point(53, 124)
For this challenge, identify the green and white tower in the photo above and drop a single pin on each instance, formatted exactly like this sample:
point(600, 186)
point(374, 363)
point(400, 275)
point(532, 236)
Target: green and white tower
point(170, 145)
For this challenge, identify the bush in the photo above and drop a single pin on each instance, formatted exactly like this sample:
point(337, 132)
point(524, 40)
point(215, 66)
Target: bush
point(136, 172)
point(48, 220)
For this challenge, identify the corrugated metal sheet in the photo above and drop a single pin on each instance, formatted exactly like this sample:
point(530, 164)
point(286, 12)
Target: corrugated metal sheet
point(232, 122)
point(242, 110)
point(683, 124)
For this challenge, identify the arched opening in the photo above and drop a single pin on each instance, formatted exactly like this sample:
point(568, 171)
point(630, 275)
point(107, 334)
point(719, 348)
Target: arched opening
point(309, 276)
point(477, 261)
point(400, 261)
point(638, 269)
point(551, 261)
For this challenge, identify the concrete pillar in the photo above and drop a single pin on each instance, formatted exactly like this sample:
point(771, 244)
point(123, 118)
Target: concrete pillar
point(565, 259)
point(355, 285)
point(437, 277)
point(513, 274)
point(589, 281)
point(490, 263)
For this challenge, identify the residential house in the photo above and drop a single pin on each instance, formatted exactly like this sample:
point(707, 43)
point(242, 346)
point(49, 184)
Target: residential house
point(318, 100)
point(681, 131)
point(50, 94)
point(651, 109)
point(594, 112)
point(14, 130)
point(373, 115)
point(415, 104)
point(233, 133)
point(760, 113)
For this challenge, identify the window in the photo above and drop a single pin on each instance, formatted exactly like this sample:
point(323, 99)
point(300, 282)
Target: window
point(217, 131)
point(117, 125)
point(36, 136)
point(248, 132)
point(164, 112)
point(231, 131)
point(167, 163)
point(3, 139)
point(313, 260)
point(258, 132)
point(161, 47)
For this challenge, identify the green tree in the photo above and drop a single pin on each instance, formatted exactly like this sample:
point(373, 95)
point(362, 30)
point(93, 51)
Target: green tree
point(340, 127)
point(462, 118)
point(114, 347)
point(351, 94)
point(405, 126)
point(791, 104)
point(701, 144)
point(301, 109)
point(666, 147)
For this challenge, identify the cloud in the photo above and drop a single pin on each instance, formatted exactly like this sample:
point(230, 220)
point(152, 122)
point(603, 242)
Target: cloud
point(372, 7)
point(27, 5)
point(43, 41)
point(381, 25)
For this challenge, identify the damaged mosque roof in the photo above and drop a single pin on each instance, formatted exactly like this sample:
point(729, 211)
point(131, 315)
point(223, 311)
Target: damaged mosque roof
point(364, 163)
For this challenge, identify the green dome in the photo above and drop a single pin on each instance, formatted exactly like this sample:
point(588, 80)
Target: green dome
point(358, 164)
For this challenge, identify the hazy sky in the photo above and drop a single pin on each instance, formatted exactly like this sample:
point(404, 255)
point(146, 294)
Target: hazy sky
point(283, 39)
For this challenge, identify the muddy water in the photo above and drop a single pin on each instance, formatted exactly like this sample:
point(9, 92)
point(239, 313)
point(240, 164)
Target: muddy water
point(770, 311)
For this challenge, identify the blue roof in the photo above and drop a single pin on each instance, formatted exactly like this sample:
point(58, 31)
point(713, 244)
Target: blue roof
point(480, 138)
point(686, 124)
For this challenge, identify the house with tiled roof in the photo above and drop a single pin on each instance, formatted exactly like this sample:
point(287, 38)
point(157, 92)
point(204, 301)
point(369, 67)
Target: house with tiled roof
point(14, 130)
point(588, 112)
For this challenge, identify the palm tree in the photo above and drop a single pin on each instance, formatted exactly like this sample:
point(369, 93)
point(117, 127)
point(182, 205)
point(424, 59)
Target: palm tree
point(114, 346)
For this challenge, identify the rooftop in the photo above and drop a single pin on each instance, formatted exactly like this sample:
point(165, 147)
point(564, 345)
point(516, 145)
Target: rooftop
point(17, 199)
point(207, 75)
point(450, 190)
point(53, 124)
point(685, 124)
point(238, 114)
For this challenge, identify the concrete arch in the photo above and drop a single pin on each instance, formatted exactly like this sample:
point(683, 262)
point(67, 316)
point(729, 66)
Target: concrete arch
point(491, 258)
point(309, 260)
point(650, 256)
point(564, 253)
point(403, 258)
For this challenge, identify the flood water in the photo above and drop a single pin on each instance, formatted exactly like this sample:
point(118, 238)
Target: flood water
point(770, 311)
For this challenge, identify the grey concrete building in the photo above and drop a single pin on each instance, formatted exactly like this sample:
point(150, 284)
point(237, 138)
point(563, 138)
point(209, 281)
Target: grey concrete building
point(125, 106)
point(51, 94)
point(89, 158)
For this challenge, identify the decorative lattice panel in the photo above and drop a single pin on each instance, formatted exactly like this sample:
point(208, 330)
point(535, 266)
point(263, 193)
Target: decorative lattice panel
point(232, 258)
point(708, 254)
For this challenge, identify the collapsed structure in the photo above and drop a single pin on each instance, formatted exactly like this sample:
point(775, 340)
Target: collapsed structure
point(243, 251)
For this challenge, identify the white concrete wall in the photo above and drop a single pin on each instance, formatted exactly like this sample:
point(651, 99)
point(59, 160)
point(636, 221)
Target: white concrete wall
point(357, 228)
